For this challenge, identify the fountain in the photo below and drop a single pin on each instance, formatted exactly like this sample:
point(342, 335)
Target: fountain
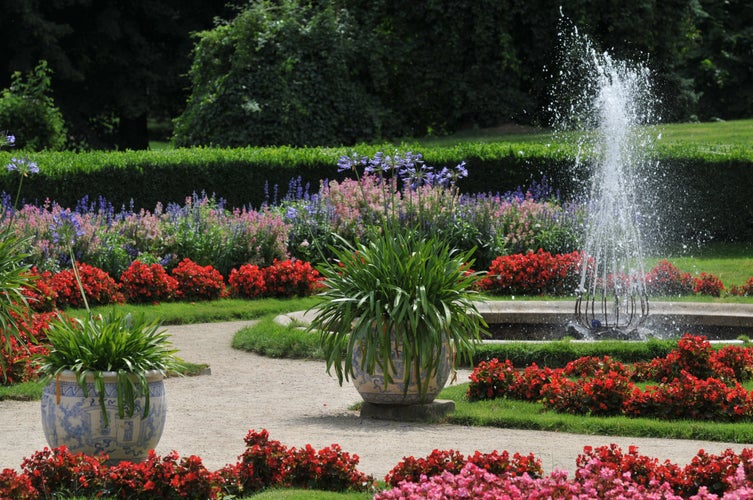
point(608, 101)
point(610, 105)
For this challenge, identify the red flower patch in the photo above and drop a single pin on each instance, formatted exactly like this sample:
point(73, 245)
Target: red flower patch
point(99, 287)
point(148, 283)
point(533, 274)
point(197, 282)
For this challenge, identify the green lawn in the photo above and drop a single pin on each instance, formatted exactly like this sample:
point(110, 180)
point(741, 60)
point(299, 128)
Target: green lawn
point(181, 313)
point(510, 413)
point(735, 133)
point(730, 262)
point(731, 133)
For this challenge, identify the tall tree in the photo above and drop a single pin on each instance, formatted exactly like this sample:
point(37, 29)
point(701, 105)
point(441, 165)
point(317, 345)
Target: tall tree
point(722, 62)
point(655, 33)
point(281, 72)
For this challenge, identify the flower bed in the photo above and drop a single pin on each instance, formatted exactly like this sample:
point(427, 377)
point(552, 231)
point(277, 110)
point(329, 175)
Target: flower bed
point(603, 472)
point(264, 463)
point(151, 283)
point(140, 283)
point(694, 381)
point(526, 238)
point(524, 274)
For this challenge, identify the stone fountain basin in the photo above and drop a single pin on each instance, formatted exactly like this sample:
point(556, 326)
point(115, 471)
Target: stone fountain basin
point(548, 320)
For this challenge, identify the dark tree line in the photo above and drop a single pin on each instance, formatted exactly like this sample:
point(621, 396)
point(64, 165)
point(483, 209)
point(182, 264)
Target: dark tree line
point(115, 63)
point(339, 71)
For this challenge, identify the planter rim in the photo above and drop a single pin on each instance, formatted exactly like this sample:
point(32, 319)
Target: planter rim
point(72, 374)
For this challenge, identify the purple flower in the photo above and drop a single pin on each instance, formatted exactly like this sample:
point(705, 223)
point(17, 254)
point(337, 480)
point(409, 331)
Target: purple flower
point(291, 213)
point(65, 228)
point(10, 140)
point(23, 166)
point(461, 171)
point(350, 162)
point(417, 177)
point(378, 164)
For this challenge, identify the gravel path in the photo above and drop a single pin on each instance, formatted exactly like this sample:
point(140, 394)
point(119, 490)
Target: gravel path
point(298, 403)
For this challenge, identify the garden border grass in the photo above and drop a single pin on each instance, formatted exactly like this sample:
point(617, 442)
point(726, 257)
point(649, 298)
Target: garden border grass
point(269, 338)
point(514, 414)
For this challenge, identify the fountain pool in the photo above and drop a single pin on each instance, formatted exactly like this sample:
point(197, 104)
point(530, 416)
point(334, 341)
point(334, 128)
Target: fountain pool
point(551, 320)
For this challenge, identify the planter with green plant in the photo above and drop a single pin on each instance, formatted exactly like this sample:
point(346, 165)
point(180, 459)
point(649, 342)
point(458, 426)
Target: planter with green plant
point(398, 306)
point(105, 391)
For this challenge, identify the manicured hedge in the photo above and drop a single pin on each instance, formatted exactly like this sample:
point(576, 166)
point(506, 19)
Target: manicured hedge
point(702, 191)
point(240, 175)
point(559, 353)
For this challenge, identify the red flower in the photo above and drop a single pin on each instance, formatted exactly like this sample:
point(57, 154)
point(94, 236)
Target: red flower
point(148, 283)
point(533, 274)
point(197, 282)
point(99, 287)
point(708, 284)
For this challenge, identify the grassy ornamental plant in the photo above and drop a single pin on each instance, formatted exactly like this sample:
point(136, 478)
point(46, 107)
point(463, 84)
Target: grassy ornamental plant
point(14, 279)
point(15, 275)
point(126, 345)
point(401, 290)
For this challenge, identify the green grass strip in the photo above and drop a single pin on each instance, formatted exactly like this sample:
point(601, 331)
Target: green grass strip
point(208, 311)
point(26, 391)
point(513, 414)
point(269, 338)
point(298, 494)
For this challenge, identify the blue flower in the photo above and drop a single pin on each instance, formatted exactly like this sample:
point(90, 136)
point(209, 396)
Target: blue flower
point(461, 171)
point(23, 166)
point(378, 164)
point(10, 140)
point(291, 214)
point(66, 228)
point(349, 162)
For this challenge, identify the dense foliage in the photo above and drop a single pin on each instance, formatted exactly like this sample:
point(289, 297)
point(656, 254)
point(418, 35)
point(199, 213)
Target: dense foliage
point(419, 67)
point(303, 89)
point(480, 64)
point(603, 472)
point(694, 381)
point(115, 64)
point(27, 108)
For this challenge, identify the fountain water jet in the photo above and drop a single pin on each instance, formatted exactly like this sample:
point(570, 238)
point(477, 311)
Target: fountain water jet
point(614, 102)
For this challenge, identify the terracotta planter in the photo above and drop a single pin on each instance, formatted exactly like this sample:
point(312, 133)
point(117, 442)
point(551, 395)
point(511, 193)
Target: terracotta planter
point(69, 418)
point(372, 388)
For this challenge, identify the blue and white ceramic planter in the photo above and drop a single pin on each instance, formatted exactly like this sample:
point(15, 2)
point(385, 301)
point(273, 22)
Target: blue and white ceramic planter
point(71, 419)
point(372, 388)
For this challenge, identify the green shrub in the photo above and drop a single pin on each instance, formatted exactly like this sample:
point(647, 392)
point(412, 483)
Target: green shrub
point(558, 353)
point(279, 73)
point(28, 111)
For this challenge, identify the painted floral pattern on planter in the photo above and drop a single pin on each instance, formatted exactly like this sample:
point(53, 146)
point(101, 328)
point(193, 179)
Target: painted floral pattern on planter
point(70, 419)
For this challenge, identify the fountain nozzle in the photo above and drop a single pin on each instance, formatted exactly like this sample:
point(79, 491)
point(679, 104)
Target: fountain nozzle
point(617, 319)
